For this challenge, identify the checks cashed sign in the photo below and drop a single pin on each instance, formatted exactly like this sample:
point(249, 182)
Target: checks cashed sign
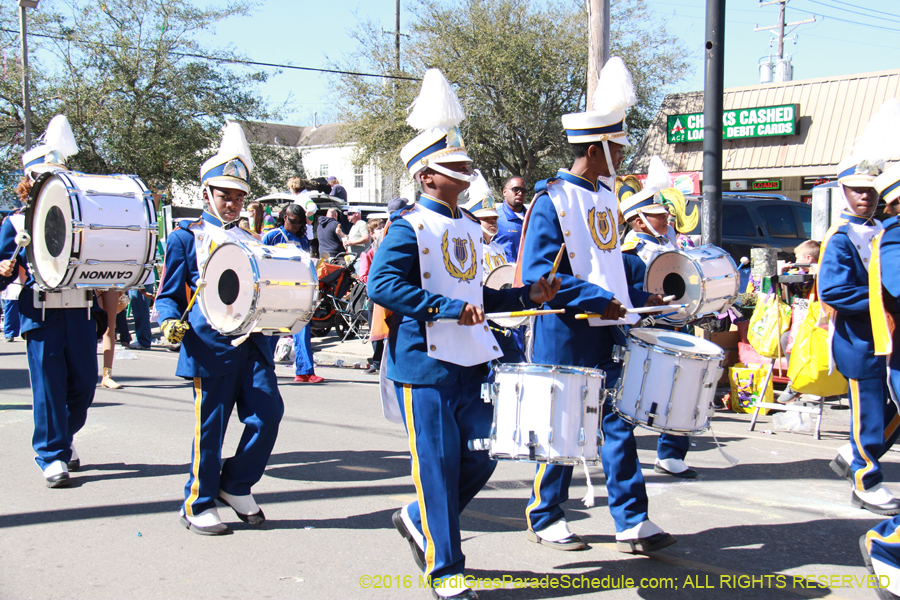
point(741, 123)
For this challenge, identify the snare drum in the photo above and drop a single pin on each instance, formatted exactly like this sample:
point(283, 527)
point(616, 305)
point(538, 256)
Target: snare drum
point(501, 278)
point(704, 278)
point(90, 231)
point(546, 413)
point(668, 381)
point(251, 287)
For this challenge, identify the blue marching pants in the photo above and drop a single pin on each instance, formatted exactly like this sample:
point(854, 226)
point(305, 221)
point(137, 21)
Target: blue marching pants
point(873, 428)
point(883, 544)
point(62, 364)
point(10, 318)
point(252, 386)
point(440, 420)
point(672, 446)
point(626, 493)
point(303, 354)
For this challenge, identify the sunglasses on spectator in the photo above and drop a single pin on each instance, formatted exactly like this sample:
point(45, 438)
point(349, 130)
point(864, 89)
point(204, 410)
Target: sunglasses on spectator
point(517, 190)
point(293, 221)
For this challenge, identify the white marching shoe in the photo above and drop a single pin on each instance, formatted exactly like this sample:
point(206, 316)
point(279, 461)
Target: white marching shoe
point(245, 507)
point(206, 523)
point(57, 475)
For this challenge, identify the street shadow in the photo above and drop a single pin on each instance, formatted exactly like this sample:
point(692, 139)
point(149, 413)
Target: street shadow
point(14, 379)
point(345, 465)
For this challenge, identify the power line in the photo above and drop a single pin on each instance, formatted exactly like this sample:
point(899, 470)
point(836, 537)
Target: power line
point(854, 12)
point(880, 12)
point(224, 60)
point(846, 20)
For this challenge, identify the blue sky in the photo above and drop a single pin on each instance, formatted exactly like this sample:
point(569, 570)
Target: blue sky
point(854, 36)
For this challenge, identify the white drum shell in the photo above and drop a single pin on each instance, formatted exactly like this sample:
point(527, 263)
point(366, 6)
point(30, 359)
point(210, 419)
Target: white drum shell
point(709, 275)
point(105, 232)
point(558, 407)
point(277, 288)
point(668, 381)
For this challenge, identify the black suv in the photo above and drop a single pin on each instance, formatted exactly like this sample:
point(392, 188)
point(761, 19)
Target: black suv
point(760, 221)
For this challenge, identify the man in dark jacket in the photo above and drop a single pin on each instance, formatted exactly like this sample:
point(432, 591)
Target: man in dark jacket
point(329, 234)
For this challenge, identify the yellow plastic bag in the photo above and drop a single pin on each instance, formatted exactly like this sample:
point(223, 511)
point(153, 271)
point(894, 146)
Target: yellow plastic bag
point(808, 370)
point(746, 387)
point(764, 332)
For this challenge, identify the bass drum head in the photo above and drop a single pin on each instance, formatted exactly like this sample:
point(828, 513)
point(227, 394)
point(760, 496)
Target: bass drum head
point(674, 274)
point(230, 292)
point(502, 278)
point(48, 219)
point(674, 341)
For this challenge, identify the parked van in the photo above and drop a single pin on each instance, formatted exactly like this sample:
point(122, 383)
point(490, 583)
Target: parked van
point(759, 221)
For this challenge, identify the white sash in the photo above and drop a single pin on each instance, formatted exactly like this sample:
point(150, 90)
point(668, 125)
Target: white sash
point(450, 263)
point(589, 223)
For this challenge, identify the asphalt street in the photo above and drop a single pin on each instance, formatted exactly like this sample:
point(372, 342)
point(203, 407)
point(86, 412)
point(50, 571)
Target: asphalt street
point(766, 528)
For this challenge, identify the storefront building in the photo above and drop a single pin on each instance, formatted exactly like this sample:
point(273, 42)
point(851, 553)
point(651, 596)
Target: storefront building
point(779, 138)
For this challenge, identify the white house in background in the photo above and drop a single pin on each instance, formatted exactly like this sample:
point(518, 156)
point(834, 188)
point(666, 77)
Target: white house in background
point(324, 156)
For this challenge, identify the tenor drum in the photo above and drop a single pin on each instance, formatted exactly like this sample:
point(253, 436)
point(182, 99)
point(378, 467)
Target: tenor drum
point(668, 381)
point(704, 278)
point(251, 287)
point(90, 231)
point(546, 413)
point(501, 278)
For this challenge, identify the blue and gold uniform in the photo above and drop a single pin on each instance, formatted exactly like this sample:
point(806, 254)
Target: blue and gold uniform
point(671, 450)
point(844, 288)
point(881, 544)
point(439, 400)
point(224, 376)
point(60, 342)
point(563, 340)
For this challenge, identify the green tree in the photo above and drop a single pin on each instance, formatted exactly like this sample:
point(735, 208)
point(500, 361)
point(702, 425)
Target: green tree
point(132, 77)
point(517, 67)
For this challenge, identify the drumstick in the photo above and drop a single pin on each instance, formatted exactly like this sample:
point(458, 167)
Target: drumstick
point(22, 241)
point(512, 314)
point(636, 311)
point(559, 255)
point(200, 285)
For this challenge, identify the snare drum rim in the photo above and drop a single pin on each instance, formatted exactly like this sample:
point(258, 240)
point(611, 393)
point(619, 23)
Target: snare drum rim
point(538, 368)
point(252, 314)
point(669, 351)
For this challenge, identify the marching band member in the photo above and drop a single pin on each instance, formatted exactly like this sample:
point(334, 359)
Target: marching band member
point(880, 547)
point(428, 268)
point(582, 212)
point(60, 342)
point(843, 284)
point(10, 295)
point(223, 375)
point(482, 205)
point(293, 231)
point(647, 212)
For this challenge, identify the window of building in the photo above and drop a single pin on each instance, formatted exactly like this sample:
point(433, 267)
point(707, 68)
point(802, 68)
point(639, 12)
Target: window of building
point(358, 177)
point(323, 170)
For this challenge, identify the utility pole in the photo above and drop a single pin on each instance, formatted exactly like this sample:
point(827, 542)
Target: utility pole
point(782, 25)
point(598, 44)
point(397, 38)
point(26, 95)
point(713, 102)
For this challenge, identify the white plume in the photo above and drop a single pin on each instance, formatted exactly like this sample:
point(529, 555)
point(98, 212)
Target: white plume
point(881, 138)
point(615, 89)
point(479, 189)
point(234, 143)
point(437, 104)
point(657, 175)
point(59, 136)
